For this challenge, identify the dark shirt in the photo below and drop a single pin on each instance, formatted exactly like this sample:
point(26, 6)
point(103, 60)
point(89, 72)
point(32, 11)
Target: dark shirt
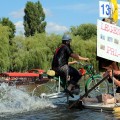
point(61, 56)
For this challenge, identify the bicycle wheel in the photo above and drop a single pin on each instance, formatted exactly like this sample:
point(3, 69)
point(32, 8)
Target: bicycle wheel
point(100, 89)
point(41, 90)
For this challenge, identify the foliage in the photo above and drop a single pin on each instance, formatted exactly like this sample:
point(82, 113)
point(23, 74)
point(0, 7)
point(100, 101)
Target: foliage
point(37, 51)
point(4, 48)
point(86, 31)
point(34, 19)
point(12, 29)
point(41, 50)
point(17, 50)
point(85, 48)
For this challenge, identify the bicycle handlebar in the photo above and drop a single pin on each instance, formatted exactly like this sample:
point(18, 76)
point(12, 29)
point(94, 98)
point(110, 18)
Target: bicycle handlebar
point(83, 64)
point(88, 67)
point(80, 63)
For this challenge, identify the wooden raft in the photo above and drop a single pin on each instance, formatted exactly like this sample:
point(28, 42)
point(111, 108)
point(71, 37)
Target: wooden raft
point(100, 106)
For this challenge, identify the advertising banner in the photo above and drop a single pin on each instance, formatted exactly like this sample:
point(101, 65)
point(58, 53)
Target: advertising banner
point(108, 41)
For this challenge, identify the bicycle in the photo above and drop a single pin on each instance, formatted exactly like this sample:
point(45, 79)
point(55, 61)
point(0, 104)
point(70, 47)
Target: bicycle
point(54, 88)
point(93, 78)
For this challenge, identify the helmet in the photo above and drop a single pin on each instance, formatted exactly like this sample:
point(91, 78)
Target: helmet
point(66, 37)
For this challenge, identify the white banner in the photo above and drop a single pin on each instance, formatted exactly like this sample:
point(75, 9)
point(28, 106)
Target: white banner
point(108, 41)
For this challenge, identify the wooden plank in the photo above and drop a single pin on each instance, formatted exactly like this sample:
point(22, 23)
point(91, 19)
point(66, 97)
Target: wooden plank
point(102, 107)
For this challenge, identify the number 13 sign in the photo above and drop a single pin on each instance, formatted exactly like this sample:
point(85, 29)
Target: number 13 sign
point(105, 9)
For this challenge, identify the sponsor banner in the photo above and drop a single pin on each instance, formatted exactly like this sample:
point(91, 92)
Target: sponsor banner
point(108, 41)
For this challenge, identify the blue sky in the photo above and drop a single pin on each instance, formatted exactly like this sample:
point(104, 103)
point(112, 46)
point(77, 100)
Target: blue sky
point(60, 14)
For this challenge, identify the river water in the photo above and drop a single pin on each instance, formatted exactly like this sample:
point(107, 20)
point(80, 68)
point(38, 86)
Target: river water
point(17, 104)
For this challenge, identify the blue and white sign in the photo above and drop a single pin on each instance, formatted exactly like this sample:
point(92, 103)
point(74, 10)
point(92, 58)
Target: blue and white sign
point(105, 9)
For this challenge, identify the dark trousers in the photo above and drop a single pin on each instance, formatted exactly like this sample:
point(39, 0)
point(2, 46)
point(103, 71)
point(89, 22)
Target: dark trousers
point(66, 71)
point(74, 75)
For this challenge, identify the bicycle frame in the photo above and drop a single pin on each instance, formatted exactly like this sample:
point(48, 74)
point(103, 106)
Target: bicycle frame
point(93, 77)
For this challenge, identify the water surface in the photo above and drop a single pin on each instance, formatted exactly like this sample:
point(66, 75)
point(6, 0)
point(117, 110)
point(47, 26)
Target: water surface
point(17, 104)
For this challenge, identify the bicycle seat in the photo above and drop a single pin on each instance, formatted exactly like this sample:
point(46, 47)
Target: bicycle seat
point(51, 73)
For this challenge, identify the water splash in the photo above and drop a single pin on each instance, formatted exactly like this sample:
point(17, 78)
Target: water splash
point(13, 100)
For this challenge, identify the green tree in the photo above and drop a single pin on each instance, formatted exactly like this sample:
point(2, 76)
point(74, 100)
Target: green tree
point(34, 19)
point(4, 48)
point(86, 31)
point(12, 29)
point(18, 55)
